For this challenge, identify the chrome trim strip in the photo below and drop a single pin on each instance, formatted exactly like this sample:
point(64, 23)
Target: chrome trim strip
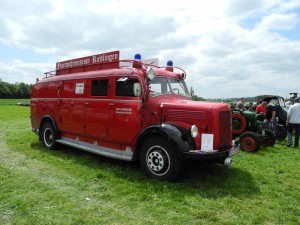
point(99, 150)
point(87, 99)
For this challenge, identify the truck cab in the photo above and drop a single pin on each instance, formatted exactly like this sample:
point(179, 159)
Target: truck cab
point(137, 112)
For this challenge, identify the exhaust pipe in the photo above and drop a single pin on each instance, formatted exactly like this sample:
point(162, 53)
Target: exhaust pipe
point(228, 162)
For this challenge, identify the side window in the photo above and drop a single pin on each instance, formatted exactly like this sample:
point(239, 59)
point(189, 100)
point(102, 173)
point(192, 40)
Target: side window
point(159, 86)
point(99, 88)
point(125, 87)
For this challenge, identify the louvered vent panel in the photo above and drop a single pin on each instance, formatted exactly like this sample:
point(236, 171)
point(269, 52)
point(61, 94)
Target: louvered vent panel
point(184, 114)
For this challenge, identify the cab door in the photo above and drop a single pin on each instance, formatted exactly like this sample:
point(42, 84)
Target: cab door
point(125, 117)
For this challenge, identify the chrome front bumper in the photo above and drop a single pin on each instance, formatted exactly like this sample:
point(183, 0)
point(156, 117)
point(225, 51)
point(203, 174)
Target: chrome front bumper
point(212, 154)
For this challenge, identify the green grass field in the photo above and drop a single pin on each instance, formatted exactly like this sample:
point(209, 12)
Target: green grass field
point(69, 186)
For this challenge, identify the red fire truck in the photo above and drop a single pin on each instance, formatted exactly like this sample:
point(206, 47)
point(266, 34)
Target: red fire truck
point(130, 110)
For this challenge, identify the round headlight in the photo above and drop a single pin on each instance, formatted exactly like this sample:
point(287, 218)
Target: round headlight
point(194, 131)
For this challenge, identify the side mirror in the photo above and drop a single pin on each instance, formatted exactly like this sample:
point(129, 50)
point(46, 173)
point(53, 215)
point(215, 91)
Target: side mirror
point(150, 74)
point(137, 89)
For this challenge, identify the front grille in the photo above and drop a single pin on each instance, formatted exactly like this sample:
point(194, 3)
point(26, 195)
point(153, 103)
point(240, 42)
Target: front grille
point(175, 114)
point(225, 128)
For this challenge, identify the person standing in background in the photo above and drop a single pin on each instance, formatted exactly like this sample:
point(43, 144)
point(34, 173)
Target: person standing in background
point(293, 122)
point(271, 116)
point(240, 105)
point(251, 107)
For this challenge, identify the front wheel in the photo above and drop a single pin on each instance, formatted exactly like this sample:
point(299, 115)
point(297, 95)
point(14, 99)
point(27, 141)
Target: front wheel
point(158, 160)
point(249, 142)
point(49, 136)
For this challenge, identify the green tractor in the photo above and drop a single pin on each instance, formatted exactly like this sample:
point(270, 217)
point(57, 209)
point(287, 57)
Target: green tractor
point(281, 113)
point(248, 127)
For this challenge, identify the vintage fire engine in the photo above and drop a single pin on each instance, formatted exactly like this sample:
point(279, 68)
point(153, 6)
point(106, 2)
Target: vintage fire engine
point(130, 110)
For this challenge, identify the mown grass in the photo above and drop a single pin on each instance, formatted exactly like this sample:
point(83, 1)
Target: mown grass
point(68, 186)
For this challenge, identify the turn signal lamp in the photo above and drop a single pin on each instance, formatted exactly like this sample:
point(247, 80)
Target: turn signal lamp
point(181, 76)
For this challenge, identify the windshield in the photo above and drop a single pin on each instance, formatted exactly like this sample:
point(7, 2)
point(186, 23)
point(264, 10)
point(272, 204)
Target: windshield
point(277, 101)
point(281, 102)
point(162, 85)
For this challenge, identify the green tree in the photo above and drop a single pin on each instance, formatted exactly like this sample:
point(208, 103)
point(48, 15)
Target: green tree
point(196, 98)
point(17, 90)
point(5, 91)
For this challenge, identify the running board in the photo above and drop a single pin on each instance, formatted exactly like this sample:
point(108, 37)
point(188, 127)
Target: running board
point(96, 149)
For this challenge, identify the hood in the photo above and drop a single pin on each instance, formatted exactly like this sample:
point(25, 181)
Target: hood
point(190, 105)
point(189, 112)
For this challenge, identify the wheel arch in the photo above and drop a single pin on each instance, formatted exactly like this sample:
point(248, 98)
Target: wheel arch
point(176, 136)
point(46, 119)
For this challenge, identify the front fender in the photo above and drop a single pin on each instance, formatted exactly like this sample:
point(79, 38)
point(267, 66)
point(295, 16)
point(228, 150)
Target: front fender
point(177, 137)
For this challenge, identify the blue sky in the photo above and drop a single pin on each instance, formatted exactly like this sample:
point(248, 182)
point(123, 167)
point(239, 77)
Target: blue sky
point(9, 53)
point(230, 48)
point(292, 33)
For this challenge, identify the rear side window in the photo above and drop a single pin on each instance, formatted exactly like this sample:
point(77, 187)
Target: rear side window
point(99, 88)
point(125, 87)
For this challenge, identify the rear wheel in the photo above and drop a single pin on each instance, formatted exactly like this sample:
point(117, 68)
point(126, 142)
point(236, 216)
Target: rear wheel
point(49, 136)
point(158, 160)
point(249, 142)
point(270, 138)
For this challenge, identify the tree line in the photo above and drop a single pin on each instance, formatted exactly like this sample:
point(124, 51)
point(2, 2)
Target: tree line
point(16, 90)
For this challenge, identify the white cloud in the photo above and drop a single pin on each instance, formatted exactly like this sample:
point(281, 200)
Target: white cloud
point(19, 71)
point(228, 48)
point(278, 22)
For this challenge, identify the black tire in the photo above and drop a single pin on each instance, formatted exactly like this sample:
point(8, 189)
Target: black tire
point(249, 142)
point(49, 136)
point(281, 133)
point(159, 161)
point(270, 139)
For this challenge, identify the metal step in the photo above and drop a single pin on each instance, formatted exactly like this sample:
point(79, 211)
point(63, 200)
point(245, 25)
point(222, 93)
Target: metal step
point(99, 150)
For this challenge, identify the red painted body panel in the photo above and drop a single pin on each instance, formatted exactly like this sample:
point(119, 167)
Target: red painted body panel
point(97, 118)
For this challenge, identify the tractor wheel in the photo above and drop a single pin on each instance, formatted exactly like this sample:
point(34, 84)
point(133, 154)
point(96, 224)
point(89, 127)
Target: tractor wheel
point(249, 142)
point(270, 139)
point(238, 123)
point(280, 133)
